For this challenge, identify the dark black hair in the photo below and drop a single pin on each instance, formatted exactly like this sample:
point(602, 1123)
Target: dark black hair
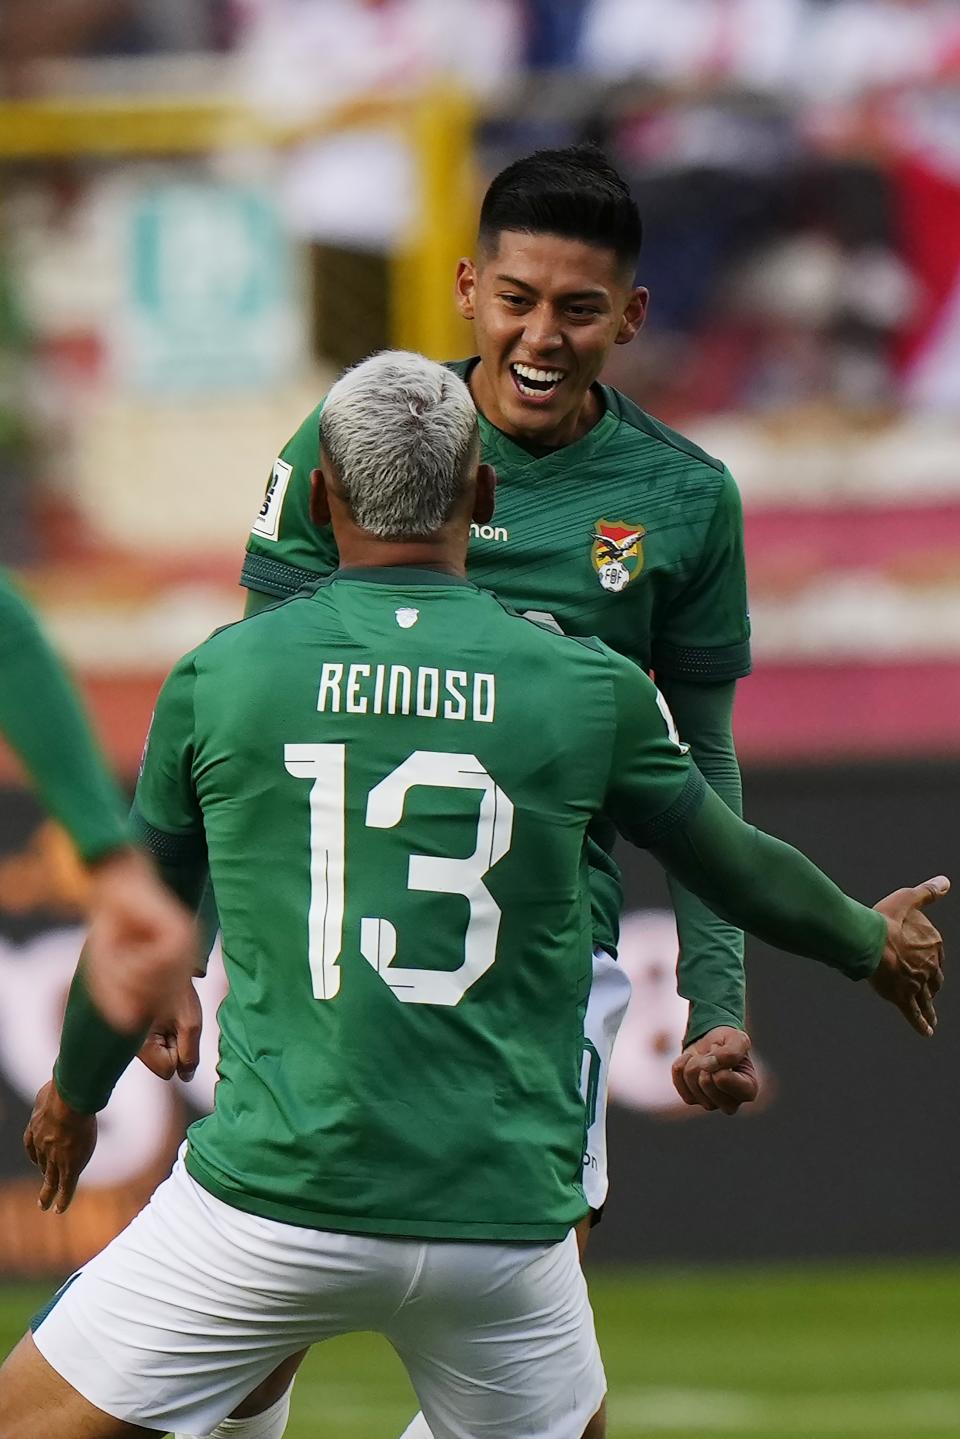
point(575, 193)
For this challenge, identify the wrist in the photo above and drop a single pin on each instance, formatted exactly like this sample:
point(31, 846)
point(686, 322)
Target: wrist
point(65, 1103)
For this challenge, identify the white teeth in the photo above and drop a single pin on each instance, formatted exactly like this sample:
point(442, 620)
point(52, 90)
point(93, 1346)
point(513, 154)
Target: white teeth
point(543, 377)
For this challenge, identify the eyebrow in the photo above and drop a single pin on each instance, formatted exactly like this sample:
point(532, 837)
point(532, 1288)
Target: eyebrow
point(569, 295)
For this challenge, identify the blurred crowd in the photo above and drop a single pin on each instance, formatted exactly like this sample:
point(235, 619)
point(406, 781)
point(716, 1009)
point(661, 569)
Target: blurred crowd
point(808, 47)
point(797, 164)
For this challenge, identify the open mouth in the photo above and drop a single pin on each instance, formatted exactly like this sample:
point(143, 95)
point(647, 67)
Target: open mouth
point(534, 383)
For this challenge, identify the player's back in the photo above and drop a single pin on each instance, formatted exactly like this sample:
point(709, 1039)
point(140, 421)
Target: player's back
point(396, 774)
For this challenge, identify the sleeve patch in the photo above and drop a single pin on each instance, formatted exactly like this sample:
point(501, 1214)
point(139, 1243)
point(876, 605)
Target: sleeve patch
point(267, 523)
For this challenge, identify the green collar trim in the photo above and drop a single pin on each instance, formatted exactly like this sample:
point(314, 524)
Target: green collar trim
point(400, 575)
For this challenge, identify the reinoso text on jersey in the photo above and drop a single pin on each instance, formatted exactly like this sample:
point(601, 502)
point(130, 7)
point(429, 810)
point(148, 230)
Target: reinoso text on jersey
point(429, 693)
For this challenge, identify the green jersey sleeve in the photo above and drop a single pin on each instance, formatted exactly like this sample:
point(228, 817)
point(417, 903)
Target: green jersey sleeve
point(770, 889)
point(166, 817)
point(653, 784)
point(42, 720)
point(285, 549)
point(704, 630)
point(710, 973)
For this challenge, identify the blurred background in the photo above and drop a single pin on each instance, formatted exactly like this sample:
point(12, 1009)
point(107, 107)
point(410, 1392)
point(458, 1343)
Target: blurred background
point(209, 206)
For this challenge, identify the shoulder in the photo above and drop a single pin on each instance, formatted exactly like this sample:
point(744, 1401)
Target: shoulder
point(254, 629)
point(649, 430)
point(545, 634)
point(461, 368)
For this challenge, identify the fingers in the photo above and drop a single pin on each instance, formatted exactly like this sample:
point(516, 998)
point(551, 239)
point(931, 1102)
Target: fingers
point(188, 1051)
point(723, 1050)
point(159, 1054)
point(915, 1017)
point(740, 1086)
point(685, 1086)
point(189, 1027)
point(927, 1008)
point(715, 1096)
point(51, 1182)
point(931, 889)
point(66, 1189)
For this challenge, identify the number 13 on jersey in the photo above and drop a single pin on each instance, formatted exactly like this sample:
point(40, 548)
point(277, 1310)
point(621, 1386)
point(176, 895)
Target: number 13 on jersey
point(325, 765)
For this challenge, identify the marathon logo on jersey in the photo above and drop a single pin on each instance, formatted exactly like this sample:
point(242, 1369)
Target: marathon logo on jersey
point(267, 523)
point(489, 532)
point(617, 553)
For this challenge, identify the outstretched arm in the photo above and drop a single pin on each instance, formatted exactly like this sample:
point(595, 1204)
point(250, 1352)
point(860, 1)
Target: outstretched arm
point(658, 799)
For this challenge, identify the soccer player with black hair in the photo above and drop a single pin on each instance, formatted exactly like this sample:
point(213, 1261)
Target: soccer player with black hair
point(608, 523)
point(389, 778)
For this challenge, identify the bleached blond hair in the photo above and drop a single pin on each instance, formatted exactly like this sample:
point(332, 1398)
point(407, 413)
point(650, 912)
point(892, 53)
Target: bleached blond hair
point(401, 432)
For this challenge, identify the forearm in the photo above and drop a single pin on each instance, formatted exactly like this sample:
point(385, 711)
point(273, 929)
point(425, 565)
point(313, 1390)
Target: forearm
point(710, 973)
point(92, 1055)
point(771, 890)
point(41, 718)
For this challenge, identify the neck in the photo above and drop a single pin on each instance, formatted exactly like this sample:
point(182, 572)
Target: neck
point(430, 554)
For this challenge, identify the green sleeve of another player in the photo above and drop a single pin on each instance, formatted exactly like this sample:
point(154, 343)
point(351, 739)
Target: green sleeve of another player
point(710, 969)
point(166, 817)
point(41, 718)
point(703, 632)
point(93, 1054)
point(285, 549)
point(658, 799)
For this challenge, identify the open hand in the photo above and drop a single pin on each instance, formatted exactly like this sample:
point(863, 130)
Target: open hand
point(60, 1142)
point(910, 972)
point(717, 1071)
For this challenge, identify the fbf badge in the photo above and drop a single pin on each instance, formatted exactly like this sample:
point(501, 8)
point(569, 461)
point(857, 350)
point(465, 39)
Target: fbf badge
point(406, 619)
point(617, 553)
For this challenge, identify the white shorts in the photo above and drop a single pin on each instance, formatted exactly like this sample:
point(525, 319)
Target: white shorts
point(195, 1303)
point(609, 997)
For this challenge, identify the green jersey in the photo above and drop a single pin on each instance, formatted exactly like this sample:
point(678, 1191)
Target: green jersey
point(632, 533)
point(401, 882)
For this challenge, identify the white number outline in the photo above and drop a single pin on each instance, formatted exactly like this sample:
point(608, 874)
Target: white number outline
point(325, 764)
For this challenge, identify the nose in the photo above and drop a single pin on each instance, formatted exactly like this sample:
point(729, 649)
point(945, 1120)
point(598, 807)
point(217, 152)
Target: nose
point(542, 331)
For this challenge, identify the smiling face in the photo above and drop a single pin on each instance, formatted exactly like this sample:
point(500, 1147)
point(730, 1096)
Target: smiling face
point(546, 312)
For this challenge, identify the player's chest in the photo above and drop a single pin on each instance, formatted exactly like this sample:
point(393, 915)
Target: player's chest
point(596, 565)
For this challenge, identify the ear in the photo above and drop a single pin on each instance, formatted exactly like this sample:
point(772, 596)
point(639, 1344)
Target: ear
point(634, 314)
point(485, 496)
point(465, 290)
point(319, 503)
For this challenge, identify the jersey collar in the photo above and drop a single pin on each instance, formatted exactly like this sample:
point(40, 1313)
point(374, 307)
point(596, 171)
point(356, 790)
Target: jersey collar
point(400, 575)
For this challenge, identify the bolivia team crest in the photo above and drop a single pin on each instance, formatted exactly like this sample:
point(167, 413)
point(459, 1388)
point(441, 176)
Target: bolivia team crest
point(617, 553)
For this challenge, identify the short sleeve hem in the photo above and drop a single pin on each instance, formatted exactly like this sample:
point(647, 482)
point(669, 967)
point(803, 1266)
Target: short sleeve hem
point(711, 664)
point(684, 806)
point(274, 577)
point(183, 848)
